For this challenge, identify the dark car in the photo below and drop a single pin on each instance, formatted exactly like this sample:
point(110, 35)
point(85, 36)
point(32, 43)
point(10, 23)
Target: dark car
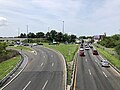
point(95, 52)
point(25, 44)
point(91, 46)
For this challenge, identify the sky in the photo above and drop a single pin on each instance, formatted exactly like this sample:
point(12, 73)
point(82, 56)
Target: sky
point(81, 17)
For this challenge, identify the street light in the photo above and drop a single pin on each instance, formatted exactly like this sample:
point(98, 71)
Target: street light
point(27, 35)
point(63, 27)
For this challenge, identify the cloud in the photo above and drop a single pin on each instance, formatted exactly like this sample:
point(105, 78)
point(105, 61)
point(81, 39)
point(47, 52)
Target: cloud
point(3, 21)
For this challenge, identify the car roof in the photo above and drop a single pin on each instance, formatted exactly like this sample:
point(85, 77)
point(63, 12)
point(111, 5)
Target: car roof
point(81, 49)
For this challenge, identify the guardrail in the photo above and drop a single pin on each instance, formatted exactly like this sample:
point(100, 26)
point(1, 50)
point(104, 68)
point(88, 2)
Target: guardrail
point(11, 72)
point(73, 80)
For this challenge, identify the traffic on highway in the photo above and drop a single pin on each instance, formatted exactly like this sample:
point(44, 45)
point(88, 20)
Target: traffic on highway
point(94, 72)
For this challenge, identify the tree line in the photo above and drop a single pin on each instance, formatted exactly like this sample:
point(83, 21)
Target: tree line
point(51, 36)
point(111, 42)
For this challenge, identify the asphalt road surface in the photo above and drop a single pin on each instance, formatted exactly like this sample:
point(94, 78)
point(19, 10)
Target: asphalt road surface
point(43, 72)
point(92, 76)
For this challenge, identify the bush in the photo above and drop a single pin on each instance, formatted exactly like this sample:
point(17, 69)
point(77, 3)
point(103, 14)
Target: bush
point(8, 54)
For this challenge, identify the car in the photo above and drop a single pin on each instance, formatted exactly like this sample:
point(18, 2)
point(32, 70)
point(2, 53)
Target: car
point(91, 46)
point(105, 63)
point(82, 53)
point(87, 48)
point(95, 52)
point(81, 49)
point(34, 44)
point(25, 44)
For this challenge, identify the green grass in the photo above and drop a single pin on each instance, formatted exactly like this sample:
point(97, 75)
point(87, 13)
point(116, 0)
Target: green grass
point(7, 66)
point(115, 61)
point(68, 51)
point(21, 47)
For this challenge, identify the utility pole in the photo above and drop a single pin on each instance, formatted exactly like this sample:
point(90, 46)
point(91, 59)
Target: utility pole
point(63, 27)
point(48, 29)
point(18, 32)
point(27, 35)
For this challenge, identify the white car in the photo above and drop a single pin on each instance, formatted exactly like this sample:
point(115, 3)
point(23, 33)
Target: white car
point(105, 63)
point(34, 44)
point(81, 49)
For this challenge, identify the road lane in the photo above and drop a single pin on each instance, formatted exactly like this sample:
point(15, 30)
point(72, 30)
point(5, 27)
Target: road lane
point(101, 78)
point(43, 72)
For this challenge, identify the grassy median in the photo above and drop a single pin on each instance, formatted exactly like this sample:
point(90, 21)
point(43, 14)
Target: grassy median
point(115, 61)
point(68, 50)
point(8, 65)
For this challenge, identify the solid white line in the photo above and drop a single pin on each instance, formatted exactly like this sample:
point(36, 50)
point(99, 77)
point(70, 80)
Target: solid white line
point(104, 74)
point(45, 85)
point(41, 64)
point(86, 59)
point(89, 71)
point(27, 85)
point(52, 64)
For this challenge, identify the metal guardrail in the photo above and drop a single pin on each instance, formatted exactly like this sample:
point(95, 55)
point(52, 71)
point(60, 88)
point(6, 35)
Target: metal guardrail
point(11, 72)
point(74, 72)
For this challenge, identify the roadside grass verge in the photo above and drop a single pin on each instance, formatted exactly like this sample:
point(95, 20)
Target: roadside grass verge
point(8, 65)
point(68, 52)
point(21, 47)
point(115, 61)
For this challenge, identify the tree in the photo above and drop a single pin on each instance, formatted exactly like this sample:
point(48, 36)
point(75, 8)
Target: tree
point(66, 38)
point(31, 35)
point(40, 35)
point(72, 38)
point(22, 35)
point(3, 48)
point(59, 37)
point(117, 48)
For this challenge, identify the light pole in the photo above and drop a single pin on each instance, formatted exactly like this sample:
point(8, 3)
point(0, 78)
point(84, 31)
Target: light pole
point(63, 27)
point(18, 32)
point(48, 29)
point(27, 35)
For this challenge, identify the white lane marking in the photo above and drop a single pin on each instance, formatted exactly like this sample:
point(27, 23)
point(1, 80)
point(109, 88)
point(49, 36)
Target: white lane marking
point(44, 56)
point(41, 64)
point(44, 85)
point(104, 74)
point(95, 60)
point(27, 85)
point(52, 64)
point(86, 59)
point(89, 71)
point(51, 55)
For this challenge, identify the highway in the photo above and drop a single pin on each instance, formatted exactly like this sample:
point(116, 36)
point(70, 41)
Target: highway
point(92, 76)
point(45, 71)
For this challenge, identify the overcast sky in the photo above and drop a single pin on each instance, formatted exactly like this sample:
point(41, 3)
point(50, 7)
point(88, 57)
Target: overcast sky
point(81, 17)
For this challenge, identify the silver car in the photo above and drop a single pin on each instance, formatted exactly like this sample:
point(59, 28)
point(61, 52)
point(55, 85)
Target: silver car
point(105, 63)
